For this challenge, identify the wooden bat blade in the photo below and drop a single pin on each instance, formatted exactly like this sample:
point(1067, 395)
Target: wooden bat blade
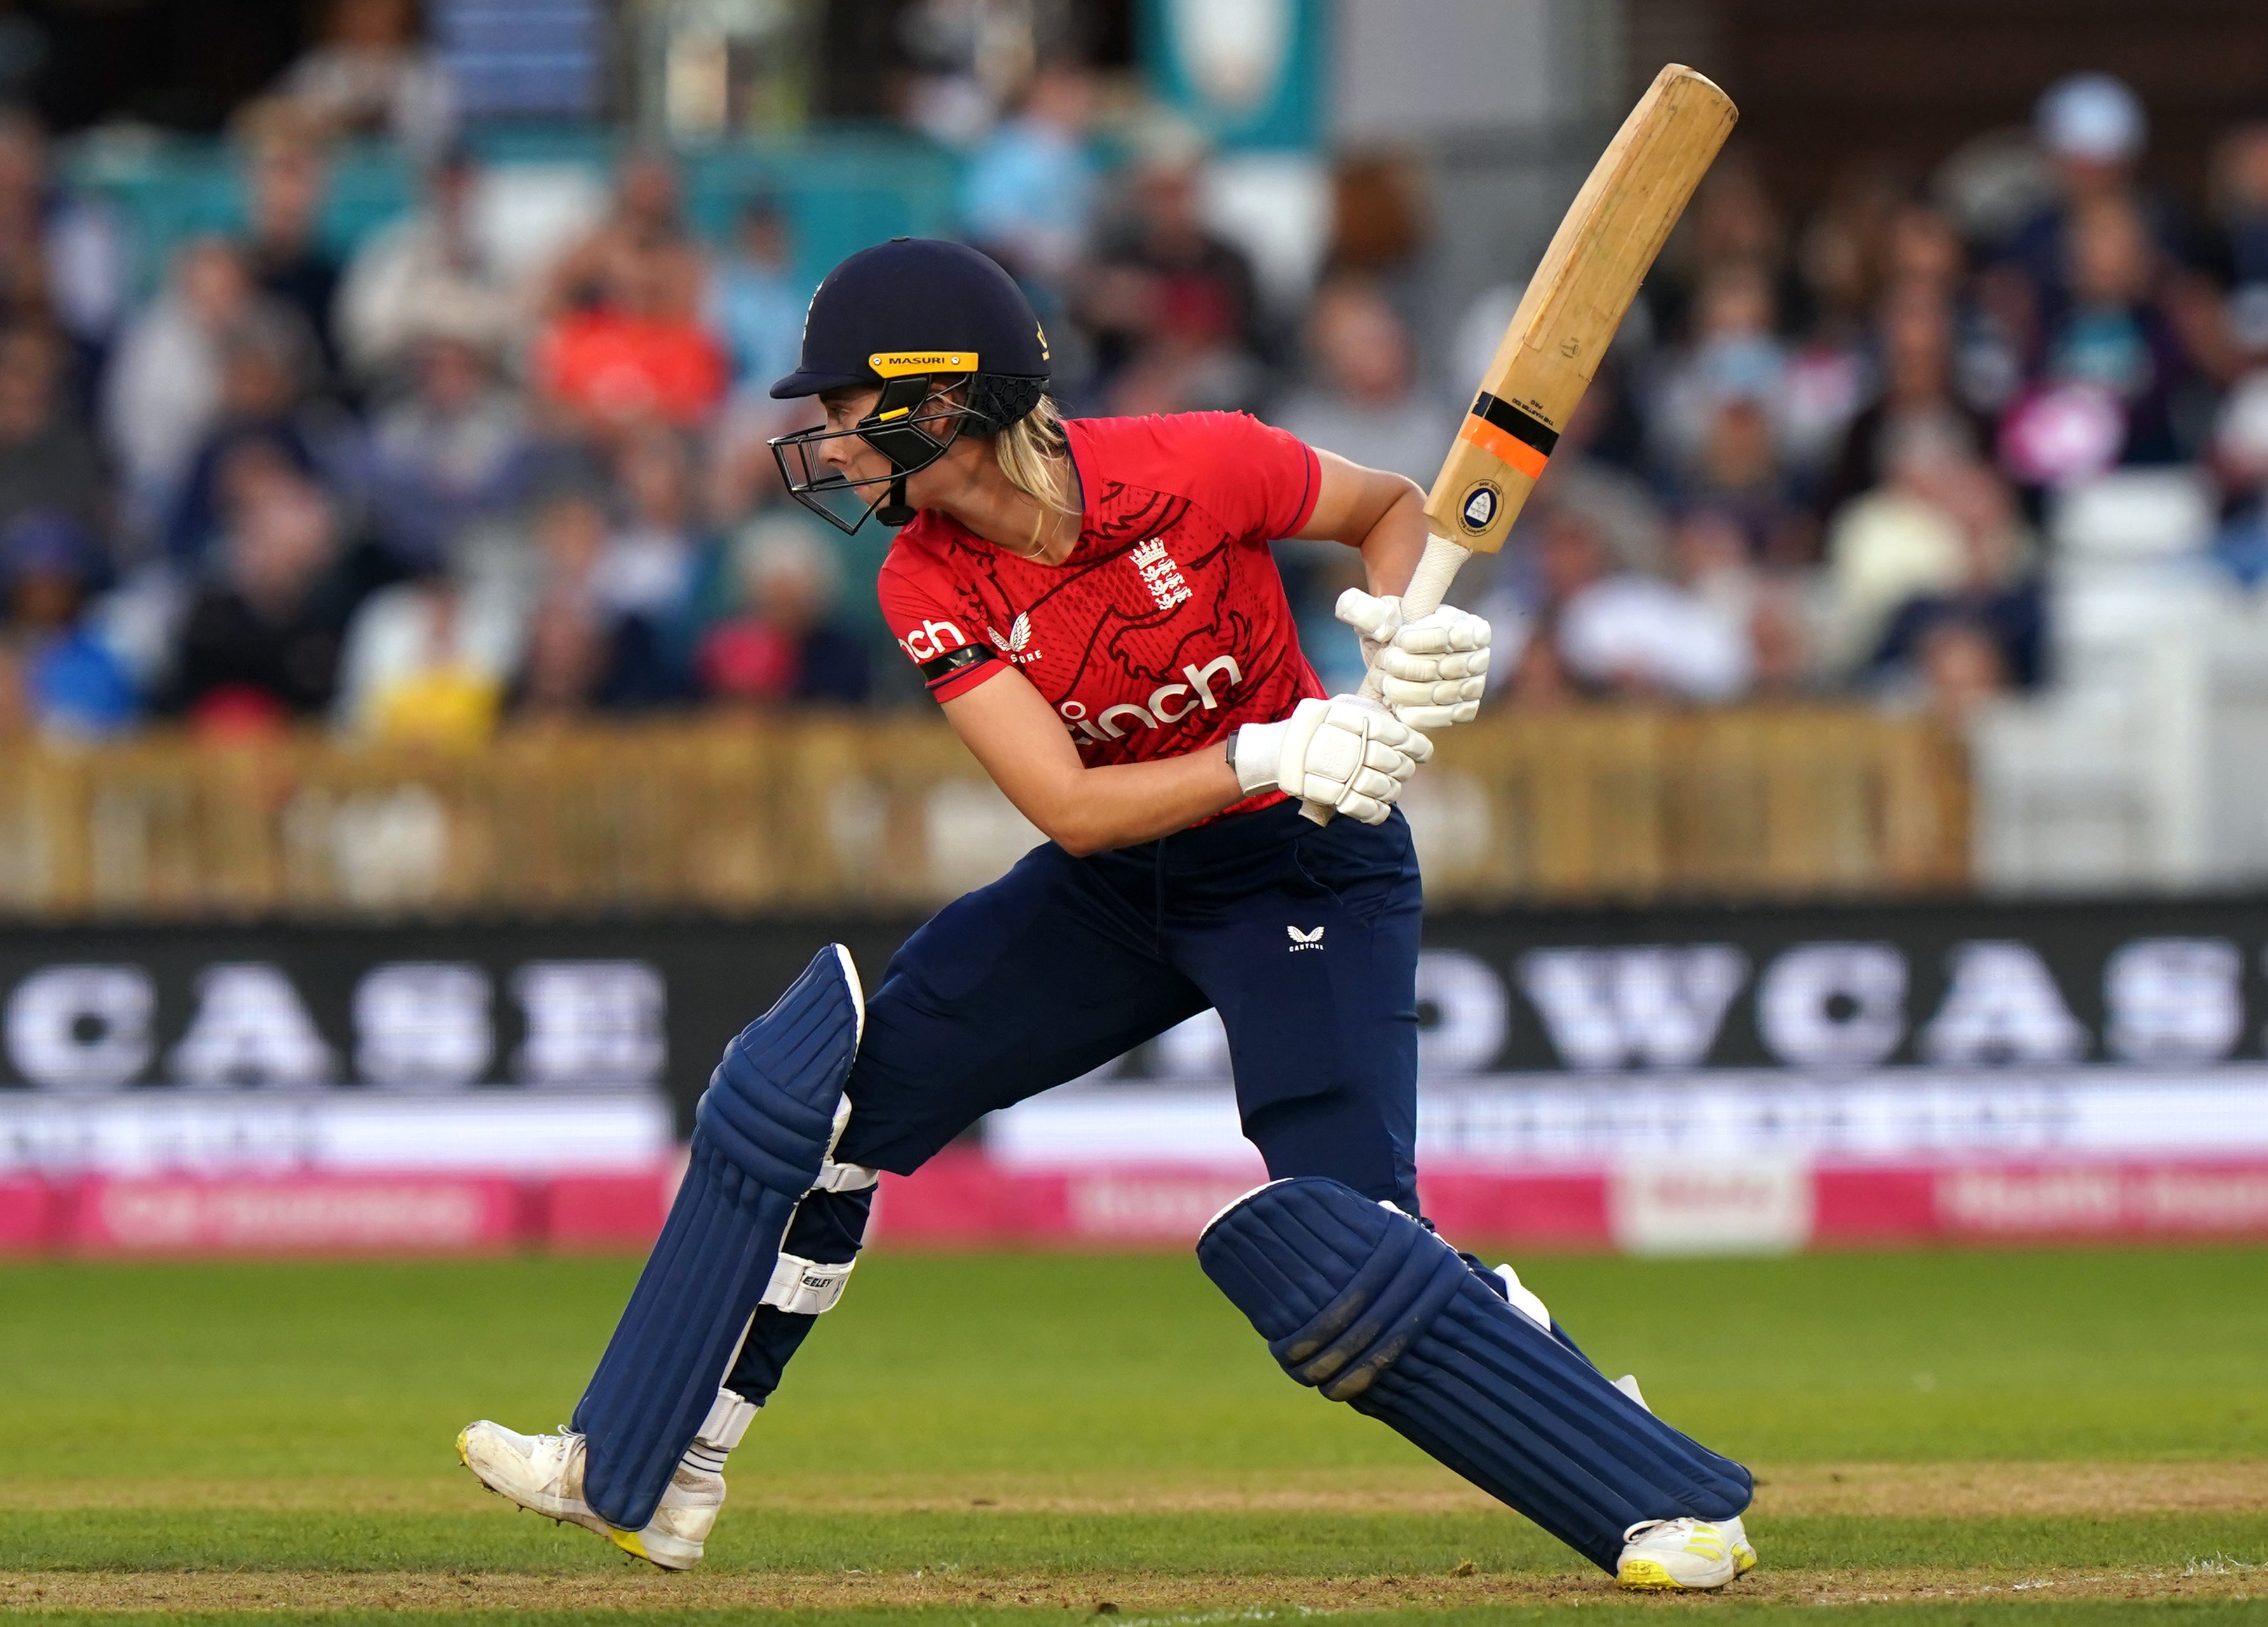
point(1574, 303)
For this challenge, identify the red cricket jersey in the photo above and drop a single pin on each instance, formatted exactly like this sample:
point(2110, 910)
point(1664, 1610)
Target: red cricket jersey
point(1168, 626)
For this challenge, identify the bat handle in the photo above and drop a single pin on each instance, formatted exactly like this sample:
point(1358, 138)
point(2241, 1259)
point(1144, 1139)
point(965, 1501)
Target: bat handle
point(1429, 584)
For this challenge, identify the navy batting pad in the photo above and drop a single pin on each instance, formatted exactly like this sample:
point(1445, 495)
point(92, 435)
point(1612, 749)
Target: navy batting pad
point(1367, 1305)
point(759, 1137)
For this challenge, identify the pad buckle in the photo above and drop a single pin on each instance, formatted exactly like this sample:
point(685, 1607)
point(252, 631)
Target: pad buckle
point(806, 1287)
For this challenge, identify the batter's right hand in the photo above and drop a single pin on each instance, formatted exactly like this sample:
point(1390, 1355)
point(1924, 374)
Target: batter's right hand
point(1347, 752)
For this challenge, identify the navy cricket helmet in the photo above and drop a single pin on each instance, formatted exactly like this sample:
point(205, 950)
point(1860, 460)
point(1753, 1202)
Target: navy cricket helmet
point(915, 318)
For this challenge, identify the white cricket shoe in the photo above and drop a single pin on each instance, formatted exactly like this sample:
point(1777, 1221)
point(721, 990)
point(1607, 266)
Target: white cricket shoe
point(1677, 1556)
point(545, 1473)
point(1744, 1552)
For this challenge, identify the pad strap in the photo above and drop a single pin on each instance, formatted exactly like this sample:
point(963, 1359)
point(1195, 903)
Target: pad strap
point(833, 1177)
point(806, 1287)
point(727, 1422)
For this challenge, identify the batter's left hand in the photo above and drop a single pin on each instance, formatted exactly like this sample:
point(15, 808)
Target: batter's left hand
point(1434, 669)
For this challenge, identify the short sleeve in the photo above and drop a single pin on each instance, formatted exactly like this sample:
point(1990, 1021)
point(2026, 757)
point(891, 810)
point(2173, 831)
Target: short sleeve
point(1259, 480)
point(935, 632)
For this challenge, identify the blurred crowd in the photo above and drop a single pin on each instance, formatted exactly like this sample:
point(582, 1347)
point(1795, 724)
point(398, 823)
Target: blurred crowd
point(411, 491)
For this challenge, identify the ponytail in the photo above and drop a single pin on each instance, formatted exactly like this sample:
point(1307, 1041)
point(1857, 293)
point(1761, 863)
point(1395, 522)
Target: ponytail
point(1036, 456)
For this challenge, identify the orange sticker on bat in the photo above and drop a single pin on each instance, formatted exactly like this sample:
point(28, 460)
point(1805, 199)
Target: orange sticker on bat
point(1512, 437)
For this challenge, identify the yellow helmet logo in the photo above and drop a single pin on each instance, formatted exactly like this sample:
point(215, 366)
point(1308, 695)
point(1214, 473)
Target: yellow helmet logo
point(1043, 332)
point(897, 364)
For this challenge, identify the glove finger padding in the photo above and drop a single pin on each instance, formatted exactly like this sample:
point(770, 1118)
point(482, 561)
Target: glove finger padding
point(1395, 662)
point(1380, 783)
point(1350, 754)
point(1377, 620)
point(1388, 760)
point(1429, 691)
point(1447, 630)
point(1441, 717)
point(1364, 810)
point(1405, 738)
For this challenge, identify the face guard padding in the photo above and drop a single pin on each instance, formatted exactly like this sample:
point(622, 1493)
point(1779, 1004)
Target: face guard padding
point(904, 427)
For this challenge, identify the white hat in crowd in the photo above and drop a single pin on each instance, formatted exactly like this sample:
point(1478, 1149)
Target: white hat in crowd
point(2091, 116)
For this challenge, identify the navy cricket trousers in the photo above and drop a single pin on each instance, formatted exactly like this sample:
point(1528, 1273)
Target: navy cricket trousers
point(1304, 938)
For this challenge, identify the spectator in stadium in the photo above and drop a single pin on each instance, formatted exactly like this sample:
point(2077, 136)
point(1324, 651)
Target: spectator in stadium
point(46, 460)
point(1922, 250)
point(579, 657)
point(430, 259)
point(1360, 399)
point(371, 74)
point(643, 225)
point(1737, 471)
point(1734, 352)
point(567, 653)
point(68, 246)
point(951, 92)
point(1733, 224)
point(1962, 667)
point(784, 644)
point(1157, 249)
point(1914, 343)
point(2113, 343)
point(1028, 196)
point(647, 572)
point(1711, 558)
point(1618, 631)
point(1189, 359)
point(72, 684)
point(428, 660)
point(634, 349)
point(2093, 129)
point(263, 634)
point(1995, 596)
point(2240, 448)
point(1926, 261)
point(1840, 258)
point(267, 365)
point(2240, 236)
point(285, 187)
point(757, 298)
point(455, 451)
point(1941, 530)
point(162, 389)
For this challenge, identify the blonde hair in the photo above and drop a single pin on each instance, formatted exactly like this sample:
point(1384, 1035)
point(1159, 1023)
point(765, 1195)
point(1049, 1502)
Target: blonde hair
point(1036, 456)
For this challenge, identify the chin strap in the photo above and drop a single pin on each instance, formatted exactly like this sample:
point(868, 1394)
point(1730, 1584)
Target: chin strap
point(893, 510)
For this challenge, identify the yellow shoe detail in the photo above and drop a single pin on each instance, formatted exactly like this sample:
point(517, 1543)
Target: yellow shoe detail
point(1647, 1576)
point(1744, 1560)
point(464, 1453)
point(628, 1542)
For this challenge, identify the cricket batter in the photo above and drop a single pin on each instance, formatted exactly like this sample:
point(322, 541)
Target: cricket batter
point(1094, 605)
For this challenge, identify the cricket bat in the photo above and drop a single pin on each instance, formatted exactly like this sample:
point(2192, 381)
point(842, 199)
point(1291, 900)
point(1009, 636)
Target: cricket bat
point(1574, 303)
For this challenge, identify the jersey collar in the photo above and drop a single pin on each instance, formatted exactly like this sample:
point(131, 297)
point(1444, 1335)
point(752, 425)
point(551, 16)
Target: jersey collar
point(1082, 460)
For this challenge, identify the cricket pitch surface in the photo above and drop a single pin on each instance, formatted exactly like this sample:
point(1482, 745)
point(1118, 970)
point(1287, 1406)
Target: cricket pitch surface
point(2056, 1437)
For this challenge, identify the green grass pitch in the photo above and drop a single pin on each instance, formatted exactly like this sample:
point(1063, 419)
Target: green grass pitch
point(2065, 1437)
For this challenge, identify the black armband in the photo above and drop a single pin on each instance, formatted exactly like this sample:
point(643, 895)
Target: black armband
point(936, 672)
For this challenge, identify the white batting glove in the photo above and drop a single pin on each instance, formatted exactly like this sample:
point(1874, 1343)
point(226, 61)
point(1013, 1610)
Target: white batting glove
point(1432, 669)
point(1351, 754)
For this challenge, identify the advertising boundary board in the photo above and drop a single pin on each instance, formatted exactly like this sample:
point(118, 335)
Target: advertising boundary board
point(1672, 1078)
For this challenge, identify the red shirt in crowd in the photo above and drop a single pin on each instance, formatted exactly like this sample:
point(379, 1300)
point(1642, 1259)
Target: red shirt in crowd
point(618, 367)
point(1168, 626)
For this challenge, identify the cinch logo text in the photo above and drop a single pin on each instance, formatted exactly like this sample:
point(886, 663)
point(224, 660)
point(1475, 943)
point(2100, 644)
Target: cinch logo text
point(926, 642)
point(1169, 703)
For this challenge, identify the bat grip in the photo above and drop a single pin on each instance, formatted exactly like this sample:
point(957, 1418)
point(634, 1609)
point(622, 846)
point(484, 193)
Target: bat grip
point(1429, 584)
